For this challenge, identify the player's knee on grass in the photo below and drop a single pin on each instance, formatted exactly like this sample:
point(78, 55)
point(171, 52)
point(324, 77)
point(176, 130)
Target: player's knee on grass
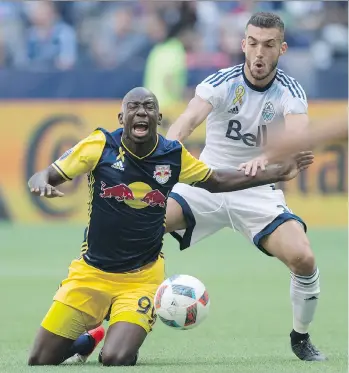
point(123, 357)
point(122, 343)
point(49, 348)
point(44, 358)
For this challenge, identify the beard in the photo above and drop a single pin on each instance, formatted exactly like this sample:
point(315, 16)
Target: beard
point(266, 74)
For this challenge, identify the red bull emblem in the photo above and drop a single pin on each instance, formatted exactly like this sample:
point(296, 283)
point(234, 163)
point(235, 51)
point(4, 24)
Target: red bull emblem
point(154, 198)
point(162, 173)
point(120, 192)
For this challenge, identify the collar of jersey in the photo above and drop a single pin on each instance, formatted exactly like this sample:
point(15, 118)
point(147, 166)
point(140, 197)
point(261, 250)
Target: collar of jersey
point(254, 87)
point(145, 156)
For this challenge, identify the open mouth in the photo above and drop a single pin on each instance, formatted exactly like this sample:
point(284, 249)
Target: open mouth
point(259, 65)
point(140, 128)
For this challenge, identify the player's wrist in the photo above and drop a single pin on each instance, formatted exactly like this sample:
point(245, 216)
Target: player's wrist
point(277, 172)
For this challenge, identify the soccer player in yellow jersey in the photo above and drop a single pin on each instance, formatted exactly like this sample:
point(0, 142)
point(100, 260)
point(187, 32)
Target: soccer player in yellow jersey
point(131, 172)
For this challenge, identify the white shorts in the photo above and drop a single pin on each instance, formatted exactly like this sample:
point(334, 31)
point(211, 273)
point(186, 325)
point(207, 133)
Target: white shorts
point(255, 212)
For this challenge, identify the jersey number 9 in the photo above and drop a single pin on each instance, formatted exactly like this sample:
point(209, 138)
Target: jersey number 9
point(144, 306)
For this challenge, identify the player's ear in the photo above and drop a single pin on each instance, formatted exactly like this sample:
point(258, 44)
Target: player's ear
point(121, 119)
point(243, 45)
point(283, 48)
point(159, 119)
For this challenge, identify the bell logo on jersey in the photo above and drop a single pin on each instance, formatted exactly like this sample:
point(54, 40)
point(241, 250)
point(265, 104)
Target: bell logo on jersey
point(268, 112)
point(162, 173)
point(234, 132)
point(239, 94)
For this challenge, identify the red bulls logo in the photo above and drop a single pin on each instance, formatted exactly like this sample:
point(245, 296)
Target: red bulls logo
point(162, 173)
point(154, 198)
point(120, 192)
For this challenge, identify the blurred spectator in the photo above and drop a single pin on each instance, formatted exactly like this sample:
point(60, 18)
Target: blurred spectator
point(166, 67)
point(118, 42)
point(50, 41)
point(12, 47)
point(112, 34)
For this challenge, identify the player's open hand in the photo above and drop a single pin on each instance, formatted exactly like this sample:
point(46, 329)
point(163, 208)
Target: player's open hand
point(39, 186)
point(251, 167)
point(304, 159)
point(296, 164)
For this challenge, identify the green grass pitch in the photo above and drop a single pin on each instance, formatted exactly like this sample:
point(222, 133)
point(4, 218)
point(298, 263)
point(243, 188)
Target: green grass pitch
point(248, 327)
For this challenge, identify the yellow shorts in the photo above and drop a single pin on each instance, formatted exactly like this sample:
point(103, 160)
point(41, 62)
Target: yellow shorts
point(91, 294)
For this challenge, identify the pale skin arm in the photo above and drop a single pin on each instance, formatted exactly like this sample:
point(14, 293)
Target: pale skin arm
point(295, 125)
point(309, 139)
point(195, 113)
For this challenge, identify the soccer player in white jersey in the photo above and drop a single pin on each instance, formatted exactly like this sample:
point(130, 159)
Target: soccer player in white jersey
point(244, 105)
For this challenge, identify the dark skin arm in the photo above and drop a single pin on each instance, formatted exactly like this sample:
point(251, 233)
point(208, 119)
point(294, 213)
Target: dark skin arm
point(231, 180)
point(44, 183)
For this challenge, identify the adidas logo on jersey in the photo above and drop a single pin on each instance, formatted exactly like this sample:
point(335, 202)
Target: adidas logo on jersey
point(118, 165)
point(234, 110)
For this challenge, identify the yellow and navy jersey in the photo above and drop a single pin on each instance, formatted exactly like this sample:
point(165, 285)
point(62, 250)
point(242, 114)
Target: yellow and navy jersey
point(128, 196)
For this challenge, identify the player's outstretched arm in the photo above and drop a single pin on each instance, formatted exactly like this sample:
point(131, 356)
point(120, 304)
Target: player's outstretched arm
point(43, 183)
point(80, 159)
point(313, 137)
point(196, 112)
point(231, 180)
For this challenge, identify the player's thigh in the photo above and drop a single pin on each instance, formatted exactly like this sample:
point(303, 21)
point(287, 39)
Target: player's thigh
point(175, 219)
point(86, 289)
point(122, 343)
point(289, 243)
point(204, 214)
point(59, 329)
point(68, 322)
point(263, 217)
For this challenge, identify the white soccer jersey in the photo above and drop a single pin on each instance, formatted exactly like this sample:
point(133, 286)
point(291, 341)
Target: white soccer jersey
point(243, 114)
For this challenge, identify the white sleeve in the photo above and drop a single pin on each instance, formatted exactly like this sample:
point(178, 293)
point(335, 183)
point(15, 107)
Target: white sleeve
point(212, 92)
point(295, 101)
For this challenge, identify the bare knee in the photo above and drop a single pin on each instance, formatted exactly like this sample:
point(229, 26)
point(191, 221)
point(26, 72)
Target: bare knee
point(34, 360)
point(41, 359)
point(290, 244)
point(302, 260)
point(120, 358)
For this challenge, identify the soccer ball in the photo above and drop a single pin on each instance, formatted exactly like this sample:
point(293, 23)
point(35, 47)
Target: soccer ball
point(182, 302)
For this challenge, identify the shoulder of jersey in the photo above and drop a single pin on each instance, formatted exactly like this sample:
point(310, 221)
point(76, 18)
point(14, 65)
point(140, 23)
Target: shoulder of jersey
point(289, 84)
point(168, 146)
point(114, 135)
point(224, 75)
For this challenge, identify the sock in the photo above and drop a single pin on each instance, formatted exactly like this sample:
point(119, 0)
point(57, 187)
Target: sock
point(84, 345)
point(297, 337)
point(305, 291)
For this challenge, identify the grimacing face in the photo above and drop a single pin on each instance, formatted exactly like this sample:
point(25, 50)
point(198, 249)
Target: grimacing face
point(262, 48)
point(140, 116)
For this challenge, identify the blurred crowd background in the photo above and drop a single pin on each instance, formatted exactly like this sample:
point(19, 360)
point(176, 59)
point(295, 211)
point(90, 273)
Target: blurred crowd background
point(66, 65)
point(188, 38)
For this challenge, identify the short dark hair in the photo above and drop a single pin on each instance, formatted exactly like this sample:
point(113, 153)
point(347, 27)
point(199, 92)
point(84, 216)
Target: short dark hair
point(266, 20)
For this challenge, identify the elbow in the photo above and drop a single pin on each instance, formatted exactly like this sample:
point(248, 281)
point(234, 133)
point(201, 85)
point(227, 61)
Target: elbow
point(214, 184)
